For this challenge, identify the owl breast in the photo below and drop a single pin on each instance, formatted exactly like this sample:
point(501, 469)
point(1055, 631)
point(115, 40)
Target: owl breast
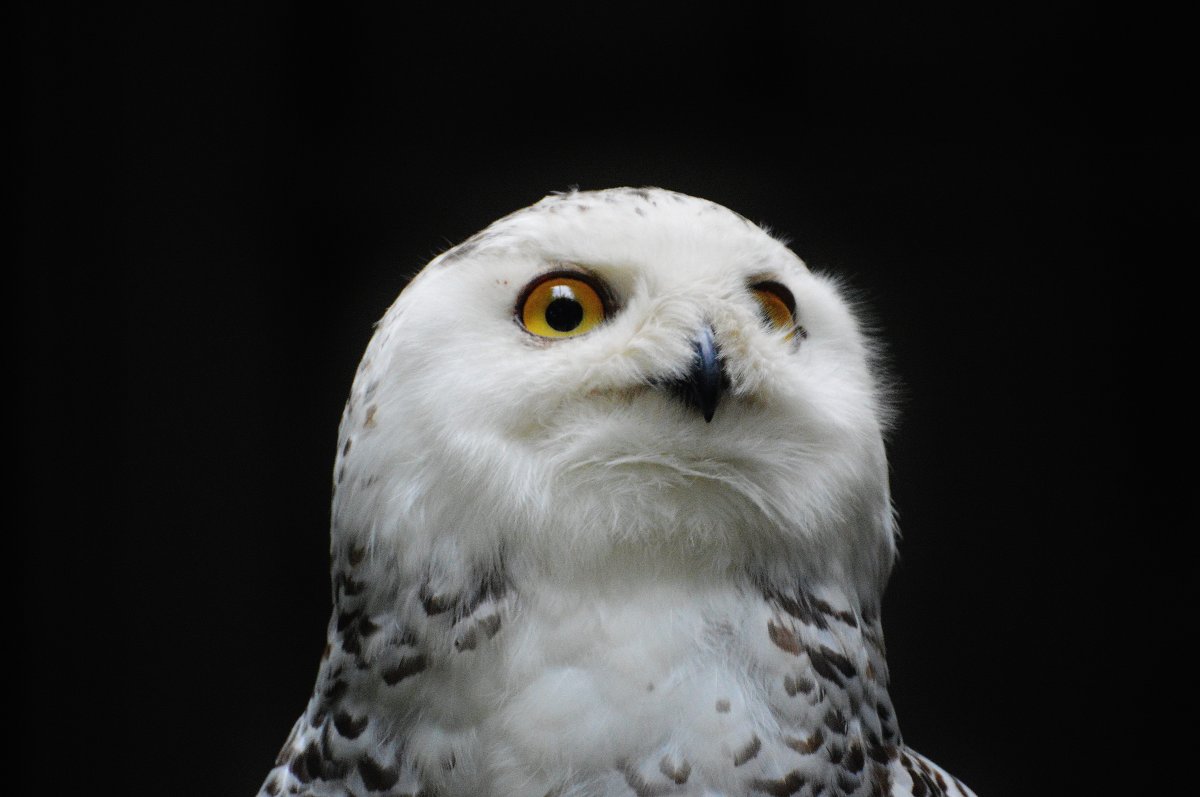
point(653, 685)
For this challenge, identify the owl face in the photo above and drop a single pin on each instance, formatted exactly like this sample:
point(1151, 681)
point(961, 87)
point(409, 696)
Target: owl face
point(625, 370)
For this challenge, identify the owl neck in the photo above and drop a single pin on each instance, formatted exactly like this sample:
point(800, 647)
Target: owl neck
point(631, 571)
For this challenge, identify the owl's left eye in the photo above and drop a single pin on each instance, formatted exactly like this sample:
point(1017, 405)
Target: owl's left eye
point(776, 305)
point(562, 305)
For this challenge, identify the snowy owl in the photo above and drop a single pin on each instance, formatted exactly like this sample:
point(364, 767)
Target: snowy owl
point(610, 517)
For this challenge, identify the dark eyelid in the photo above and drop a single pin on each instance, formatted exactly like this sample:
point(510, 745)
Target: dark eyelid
point(778, 289)
point(606, 298)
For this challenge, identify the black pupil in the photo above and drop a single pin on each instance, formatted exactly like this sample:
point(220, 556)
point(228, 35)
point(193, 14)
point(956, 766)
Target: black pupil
point(564, 313)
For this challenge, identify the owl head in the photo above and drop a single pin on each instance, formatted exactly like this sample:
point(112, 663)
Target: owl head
point(627, 380)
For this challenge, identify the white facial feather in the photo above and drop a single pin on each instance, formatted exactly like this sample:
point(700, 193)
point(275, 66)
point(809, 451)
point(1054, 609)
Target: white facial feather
point(553, 576)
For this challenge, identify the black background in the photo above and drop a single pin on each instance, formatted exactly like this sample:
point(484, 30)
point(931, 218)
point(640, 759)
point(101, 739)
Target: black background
point(216, 204)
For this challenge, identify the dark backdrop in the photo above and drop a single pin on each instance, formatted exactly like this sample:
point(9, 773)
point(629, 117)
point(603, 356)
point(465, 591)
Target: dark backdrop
point(216, 204)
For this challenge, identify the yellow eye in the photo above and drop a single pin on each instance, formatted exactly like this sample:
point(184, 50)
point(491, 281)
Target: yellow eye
point(561, 305)
point(776, 306)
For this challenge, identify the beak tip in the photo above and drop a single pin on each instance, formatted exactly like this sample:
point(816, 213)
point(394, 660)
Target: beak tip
point(707, 375)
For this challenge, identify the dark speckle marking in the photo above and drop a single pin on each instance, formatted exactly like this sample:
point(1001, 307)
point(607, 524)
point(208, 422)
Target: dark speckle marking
point(881, 782)
point(846, 617)
point(369, 422)
point(836, 722)
point(346, 620)
point(307, 765)
point(641, 788)
point(490, 626)
point(854, 758)
point(783, 638)
point(272, 786)
point(782, 787)
point(829, 663)
point(356, 554)
point(891, 734)
point(794, 684)
point(348, 726)
point(435, 604)
point(348, 586)
point(375, 777)
point(346, 448)
point(799, 607)
point(722, 706)
point(748, 752)
point(486, 628)
point(366, 627)
point(921, 784)
point(677, 774)
point(468, 641)
point(881, 753)
point(807, 746)
point(336, 691)
point(406, 667)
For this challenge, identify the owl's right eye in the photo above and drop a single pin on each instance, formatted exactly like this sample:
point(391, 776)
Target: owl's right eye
point(562, 305)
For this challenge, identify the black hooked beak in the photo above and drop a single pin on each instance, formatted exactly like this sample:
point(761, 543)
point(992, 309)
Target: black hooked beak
point(702, 386)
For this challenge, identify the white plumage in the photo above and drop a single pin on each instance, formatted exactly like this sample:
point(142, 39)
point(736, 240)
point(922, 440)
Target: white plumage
point(553, 577)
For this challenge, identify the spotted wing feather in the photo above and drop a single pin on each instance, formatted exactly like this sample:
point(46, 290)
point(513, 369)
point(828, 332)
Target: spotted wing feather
point(356, 734)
